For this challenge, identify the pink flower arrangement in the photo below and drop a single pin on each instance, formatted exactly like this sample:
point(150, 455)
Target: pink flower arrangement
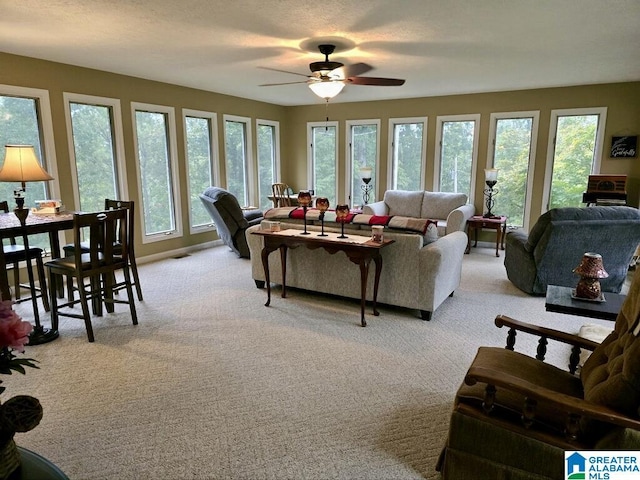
point(14, 335)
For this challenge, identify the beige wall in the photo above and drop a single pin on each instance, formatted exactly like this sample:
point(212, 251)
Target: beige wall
point(623, 118)
point(622, 101)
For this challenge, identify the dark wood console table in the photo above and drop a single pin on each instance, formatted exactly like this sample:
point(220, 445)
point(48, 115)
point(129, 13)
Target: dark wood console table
point(359, 250)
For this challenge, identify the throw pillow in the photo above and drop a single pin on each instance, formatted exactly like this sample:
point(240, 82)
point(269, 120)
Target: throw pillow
point(404, 203)
point(440, 204)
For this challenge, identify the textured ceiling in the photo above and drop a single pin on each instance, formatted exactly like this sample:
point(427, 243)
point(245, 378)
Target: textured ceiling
point(439, 47)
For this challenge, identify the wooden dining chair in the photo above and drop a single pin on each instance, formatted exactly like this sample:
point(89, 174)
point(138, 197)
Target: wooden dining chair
point(14, 254)
point(281, 195)
point(110, 204)
point(94, 270)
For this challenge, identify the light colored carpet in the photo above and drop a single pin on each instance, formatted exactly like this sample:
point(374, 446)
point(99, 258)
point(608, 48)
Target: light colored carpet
point(213, 385)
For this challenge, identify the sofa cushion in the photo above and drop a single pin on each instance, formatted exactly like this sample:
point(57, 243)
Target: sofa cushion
point(404, 203)
point(440, 204)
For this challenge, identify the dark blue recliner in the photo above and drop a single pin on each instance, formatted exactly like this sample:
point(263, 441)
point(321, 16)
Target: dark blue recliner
point(230, 220)
point(556, 243)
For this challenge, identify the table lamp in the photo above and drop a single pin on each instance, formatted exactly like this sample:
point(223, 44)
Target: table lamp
point(365, 175)
point(21, 165)
point(490, 178)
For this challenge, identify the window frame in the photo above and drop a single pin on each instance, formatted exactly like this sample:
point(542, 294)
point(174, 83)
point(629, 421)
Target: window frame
point(214, 162)
point(249, 164)
point(118, 138)
point(310, 164)
point(276, 167)
point(47, 139)
point(493, 122)
point(391, 183)
point(598, 148)
point(172, 150)
point(349, 124)
point(440, 120)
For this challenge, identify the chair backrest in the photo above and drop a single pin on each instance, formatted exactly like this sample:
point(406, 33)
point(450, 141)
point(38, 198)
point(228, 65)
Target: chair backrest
point(4, 207)
point(108, 239)
point(281, 194)
point(611, 374)
point(129, 206)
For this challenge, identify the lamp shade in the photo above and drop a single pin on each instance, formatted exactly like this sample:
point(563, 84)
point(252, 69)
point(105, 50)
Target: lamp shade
point(591, 266)
point(326, 89)
point(365, 173)
point(490, 174)
point(21, 165)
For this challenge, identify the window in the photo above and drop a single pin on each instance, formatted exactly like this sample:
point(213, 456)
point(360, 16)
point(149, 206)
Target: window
point(156, 163)
point(363, 150)
point(25, 119)
point(268, 138)
point(456, 153)
point(407, 151)
point(237, 138)
point(574, 152)
point(200, 134)
point(94, 126)
point(512, 143)
point(323, 159)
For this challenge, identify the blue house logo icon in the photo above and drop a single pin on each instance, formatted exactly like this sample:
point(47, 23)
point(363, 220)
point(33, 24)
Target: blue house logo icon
point(575, 467)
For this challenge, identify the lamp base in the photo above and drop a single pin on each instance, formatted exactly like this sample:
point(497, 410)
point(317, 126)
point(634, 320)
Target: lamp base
point(22, 214)
point(40, 335)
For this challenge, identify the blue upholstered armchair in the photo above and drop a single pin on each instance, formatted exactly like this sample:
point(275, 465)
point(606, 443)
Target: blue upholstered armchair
point(230, 220)
point(560, 237)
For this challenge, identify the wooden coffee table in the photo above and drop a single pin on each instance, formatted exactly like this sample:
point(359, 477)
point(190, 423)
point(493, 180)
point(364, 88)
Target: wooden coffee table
point(359, 250)
point(559, 300)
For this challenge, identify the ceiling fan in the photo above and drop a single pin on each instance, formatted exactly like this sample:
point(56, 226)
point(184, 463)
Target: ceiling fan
point(328, 78)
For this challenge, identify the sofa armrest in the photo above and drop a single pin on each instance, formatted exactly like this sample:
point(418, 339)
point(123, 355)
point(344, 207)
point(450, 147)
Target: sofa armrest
point(457, 219)
point(376, 208)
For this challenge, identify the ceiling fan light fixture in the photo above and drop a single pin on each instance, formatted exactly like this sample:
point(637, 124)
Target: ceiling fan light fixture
point(326, 89)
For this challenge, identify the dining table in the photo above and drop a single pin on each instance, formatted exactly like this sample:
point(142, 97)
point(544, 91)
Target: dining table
point(35, 223)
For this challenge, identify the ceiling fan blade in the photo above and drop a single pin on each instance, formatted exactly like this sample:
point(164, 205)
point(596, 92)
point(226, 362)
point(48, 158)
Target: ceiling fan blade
point(356, 69)
point(384, 82)
point(284, 71)
point(282, 83)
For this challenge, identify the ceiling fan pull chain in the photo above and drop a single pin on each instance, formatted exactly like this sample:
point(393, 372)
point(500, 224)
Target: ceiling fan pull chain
point(326, 108)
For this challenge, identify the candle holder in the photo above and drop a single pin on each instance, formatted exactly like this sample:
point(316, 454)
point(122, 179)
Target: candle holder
point(342, 211)
point(304, 200)
point(591, 270)
point(322, 204)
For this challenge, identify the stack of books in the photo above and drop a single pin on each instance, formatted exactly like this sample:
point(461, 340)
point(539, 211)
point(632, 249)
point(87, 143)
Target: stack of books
point(48, 206)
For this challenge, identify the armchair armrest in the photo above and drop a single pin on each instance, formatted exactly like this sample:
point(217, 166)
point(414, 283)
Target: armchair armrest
point(573, 406)
point(376, 208)
point(545, 334)
point(457, 218)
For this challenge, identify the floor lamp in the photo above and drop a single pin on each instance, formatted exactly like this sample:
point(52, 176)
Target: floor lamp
point(21, 165)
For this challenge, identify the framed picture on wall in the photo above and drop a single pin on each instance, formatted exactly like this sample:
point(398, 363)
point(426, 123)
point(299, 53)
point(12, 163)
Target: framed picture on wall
point(624, 147)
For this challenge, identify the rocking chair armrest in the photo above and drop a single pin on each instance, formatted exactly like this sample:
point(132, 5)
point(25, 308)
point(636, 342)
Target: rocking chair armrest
point(560, 401)
point(575, 340)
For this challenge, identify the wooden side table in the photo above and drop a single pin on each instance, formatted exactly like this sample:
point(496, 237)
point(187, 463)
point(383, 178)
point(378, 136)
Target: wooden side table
point(478, 222)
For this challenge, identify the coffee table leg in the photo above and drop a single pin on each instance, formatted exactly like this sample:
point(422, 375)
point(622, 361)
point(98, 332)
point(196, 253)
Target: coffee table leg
point(376, 281)
point(265, 265)
point(283, 264)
